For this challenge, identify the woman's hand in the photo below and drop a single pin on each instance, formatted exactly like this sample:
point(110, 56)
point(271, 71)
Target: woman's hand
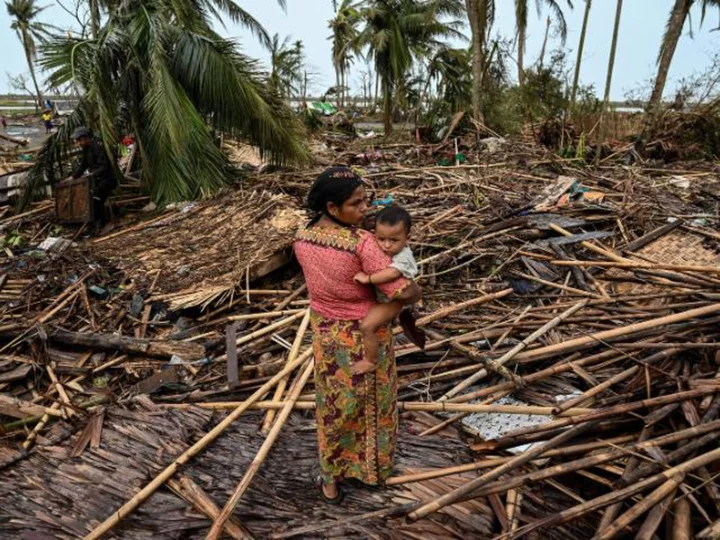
point(362, 367)
point(362, 278)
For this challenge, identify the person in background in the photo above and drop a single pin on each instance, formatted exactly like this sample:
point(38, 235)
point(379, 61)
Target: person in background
point(96, 164)
point(4, 121)
point(47, 120)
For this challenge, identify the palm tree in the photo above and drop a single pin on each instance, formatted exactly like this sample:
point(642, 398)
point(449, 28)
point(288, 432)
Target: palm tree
point(581, 47)
point(345, 31)
point(399, 31)
point(521, 22)
point(451, 70)
point(678, 16)
point(608, 80)
point(286, 61)
point(481, 14)
point(158, 70)
point(29, 31)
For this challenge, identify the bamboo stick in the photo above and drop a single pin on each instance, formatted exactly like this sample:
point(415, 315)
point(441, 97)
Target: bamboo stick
point(623, 375)
point(641, 266)
point(619, 495)
point(266, 330)
point(592, 247)
point(416, 406)
point(217, 527)
point(266, 315)
point(654, 518)
point(196, 448)
point(444, 312)
point(504, 359)
point(682, 526)
point(648, 502)
point(592, 339)
point(455, 495)
point(611, 511)
point(192, 493)
point(561, 287)
point(282, 384)
point(609, 412)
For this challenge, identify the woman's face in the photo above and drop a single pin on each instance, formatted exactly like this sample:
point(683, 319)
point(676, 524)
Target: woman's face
point(352, 211)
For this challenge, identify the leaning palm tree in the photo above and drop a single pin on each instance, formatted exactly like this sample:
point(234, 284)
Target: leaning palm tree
point(397, 32)
point(29, 31)
point(344, 28)
point(679, 15)
point(521, 23)
point(158, 70)
point(608, 80)
point(581, 48)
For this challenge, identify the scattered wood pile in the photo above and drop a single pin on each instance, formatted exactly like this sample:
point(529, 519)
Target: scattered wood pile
point(569, 385)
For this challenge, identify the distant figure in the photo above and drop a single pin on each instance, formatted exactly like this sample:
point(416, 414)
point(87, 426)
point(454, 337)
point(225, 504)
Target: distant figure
point(4, 122)
point(95, 161)
point(47, 119)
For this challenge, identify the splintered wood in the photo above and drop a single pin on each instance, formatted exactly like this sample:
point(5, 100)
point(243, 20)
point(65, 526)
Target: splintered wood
point(568, 388)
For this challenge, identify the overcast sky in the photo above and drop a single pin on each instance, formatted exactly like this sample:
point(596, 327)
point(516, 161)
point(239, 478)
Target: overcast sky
point(641, 30)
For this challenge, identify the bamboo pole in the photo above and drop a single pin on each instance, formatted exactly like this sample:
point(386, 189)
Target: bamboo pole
point(623, 375)
point(592, 247)
point(482, 373)
point(217, 527)
point(619, 495)
point(609, 412)
point(654, 518)
point(266, 330)
point(444, 312)
point(416, 406)
point(641, 266)
point(561, 287)
point(282, 384)
point(192, 493)
point(656, 497)
point(682, 525)
point(577, 343)
point(196, 448)
point(266, 315)
point(455, 495)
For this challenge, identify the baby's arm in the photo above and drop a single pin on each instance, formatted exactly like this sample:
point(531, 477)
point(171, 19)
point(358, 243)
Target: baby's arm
point(386, 275)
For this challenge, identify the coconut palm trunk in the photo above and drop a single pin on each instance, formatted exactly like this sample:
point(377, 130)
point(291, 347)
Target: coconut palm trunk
point(608, 81)
point(387, 107)
point(477, 16)
point(675, 26)
point(31, 67)
point(581, 47)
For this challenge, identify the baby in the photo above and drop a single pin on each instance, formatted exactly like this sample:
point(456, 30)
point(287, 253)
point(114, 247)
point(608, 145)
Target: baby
point(392, 230)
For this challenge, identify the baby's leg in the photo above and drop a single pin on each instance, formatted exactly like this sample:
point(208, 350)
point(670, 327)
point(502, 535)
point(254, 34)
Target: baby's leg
point(378, 316)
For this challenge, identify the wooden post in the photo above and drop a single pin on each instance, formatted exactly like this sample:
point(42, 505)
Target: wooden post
point(232, 357)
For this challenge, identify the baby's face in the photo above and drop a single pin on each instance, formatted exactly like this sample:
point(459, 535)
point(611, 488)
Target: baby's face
point(391, 238)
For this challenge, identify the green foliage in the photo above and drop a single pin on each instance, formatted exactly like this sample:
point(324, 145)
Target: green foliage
point(158, 70)
point(287, 61)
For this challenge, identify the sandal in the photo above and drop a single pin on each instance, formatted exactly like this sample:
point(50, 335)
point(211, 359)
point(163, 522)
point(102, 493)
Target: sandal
point(330, 500)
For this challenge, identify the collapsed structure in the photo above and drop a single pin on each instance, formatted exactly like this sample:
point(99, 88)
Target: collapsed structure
point(569, 385)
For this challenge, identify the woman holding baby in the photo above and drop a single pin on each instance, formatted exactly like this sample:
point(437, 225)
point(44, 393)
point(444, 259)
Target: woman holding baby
point(356, 393)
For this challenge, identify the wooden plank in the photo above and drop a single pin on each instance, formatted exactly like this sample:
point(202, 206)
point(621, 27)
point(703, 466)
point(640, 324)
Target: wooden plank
point(232, 357)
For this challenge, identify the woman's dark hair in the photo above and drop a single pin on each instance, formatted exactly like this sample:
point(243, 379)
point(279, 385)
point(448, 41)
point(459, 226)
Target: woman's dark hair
point(335, 185)
point(392, 215)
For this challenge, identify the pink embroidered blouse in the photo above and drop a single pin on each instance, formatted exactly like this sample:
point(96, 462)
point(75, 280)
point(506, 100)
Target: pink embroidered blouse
point(330, 257)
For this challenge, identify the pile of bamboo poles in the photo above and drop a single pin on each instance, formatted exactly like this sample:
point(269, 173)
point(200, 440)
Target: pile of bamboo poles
point(607, 344)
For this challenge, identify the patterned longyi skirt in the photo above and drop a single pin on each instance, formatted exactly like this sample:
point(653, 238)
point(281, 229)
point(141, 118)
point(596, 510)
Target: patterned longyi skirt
point(357, 415)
